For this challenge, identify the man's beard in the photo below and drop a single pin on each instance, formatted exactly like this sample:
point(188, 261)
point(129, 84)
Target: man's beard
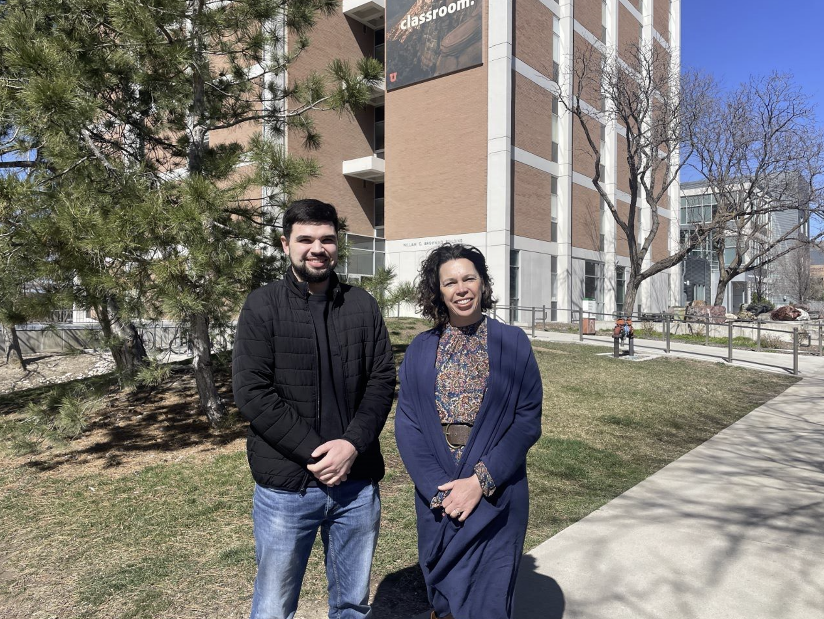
point(313, 276)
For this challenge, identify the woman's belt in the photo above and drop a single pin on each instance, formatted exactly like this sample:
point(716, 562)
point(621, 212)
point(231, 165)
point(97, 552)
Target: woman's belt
point(456, 434)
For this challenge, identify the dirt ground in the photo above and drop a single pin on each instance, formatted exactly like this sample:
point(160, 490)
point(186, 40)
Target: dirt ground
point(53, 369)
point(132, 430)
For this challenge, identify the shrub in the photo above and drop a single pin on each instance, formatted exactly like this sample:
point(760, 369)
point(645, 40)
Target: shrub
point(59, 416)
point(771, 341)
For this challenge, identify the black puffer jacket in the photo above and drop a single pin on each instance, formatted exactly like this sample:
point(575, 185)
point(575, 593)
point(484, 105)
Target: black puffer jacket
point(275, 379)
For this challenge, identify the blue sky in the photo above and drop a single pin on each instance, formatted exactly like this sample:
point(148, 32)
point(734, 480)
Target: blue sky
point(733, 39)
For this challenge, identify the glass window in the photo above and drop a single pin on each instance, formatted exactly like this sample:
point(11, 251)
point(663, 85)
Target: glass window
point(603, 222)
point(556, 47)
point(379, 44)
point(379, 210)
point(379, 129)
point(553, 202)
point(620, 288)
point(360, 262)
point(604, 18)
point(590, 280)
point(361, 242)
point(514, 284)
point(594, 283)
point(555, 129)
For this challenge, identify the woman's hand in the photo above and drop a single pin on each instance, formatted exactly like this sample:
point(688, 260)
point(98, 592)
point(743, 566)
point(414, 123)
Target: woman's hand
point(464, 496)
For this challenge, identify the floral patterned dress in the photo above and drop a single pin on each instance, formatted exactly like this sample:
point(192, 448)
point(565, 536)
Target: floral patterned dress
point(463, 373)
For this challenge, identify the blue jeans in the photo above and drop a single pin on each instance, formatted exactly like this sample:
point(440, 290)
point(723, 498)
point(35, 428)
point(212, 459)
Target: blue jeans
point(286, 524)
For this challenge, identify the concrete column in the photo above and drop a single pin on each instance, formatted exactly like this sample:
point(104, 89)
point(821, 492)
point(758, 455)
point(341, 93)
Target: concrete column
point(565, 165)
point(676, 279)
point(610, 160)
point(499, 150)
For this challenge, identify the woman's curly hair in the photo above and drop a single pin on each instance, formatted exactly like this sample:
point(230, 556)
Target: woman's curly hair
point(430, 300)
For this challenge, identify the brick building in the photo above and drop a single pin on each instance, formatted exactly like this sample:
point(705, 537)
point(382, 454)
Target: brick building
point(487, 156)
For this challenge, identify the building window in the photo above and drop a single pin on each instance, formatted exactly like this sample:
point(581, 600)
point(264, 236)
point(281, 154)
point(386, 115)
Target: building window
point(553, 285)
point(366, 255)
point(697, 209)
point(555, 129)
point(594, 283)
point(379, 44)
point(379, 213)
point(556, 47)
point(620, 289)
point(553, 205)
point(514, 284)
point(602, 222)
point(379, 130)
point(604, 20)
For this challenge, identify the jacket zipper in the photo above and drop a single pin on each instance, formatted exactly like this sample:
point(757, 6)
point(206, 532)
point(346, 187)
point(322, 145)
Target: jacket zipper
point(308, 476)
point(332, 316)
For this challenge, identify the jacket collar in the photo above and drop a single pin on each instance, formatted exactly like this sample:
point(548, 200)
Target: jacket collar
point(302, 288)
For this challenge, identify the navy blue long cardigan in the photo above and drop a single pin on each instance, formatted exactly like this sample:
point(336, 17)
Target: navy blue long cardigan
point(470, 567)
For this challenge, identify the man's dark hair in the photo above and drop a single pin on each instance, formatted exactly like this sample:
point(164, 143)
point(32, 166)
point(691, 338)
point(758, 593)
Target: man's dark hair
point(309, 211)
point(430, 300)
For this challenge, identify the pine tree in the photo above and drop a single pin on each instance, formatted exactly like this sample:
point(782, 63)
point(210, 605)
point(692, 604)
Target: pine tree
point(124, 98)
point(21, 255)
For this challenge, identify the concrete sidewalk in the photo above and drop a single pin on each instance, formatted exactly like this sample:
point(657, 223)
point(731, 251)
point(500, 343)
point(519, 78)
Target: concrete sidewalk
point(733, 529)
point(808, 365)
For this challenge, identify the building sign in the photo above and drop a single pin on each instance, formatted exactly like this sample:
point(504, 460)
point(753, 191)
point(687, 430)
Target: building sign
point(430, 243)
point(430, 38)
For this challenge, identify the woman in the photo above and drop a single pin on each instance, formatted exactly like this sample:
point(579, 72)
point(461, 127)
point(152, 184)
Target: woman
point(468, 411)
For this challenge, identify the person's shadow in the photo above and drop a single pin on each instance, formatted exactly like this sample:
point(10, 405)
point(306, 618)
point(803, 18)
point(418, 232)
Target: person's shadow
point(403, 594)
point(537, 596)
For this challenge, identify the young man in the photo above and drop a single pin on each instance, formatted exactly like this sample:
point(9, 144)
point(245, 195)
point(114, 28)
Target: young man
point(313, 374)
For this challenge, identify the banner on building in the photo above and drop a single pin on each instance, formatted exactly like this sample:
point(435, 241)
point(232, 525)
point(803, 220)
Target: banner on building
point(430, 38)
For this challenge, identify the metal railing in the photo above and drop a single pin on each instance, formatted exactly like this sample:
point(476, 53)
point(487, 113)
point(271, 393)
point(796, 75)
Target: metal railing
point(799, 338)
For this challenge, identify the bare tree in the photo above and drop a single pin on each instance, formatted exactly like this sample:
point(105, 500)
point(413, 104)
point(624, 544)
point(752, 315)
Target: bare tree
point(654, 109)
point(762, 156)
point(793, 271)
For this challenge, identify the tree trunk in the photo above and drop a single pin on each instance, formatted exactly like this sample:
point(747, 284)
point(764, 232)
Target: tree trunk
point(13, 346)
point(721, 290)
point(122, 338)
point(629, 297)
point(210, 400)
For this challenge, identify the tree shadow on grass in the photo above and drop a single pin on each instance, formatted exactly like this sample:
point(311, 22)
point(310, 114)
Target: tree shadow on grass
point(132, 423)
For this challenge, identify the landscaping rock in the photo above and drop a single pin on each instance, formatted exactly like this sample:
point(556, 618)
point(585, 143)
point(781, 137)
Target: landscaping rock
point(785, 312)
point(716, 313)
point(761, 307)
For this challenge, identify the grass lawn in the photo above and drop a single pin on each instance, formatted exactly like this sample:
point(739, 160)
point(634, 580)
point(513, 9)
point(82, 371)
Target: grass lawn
point(162, 528)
